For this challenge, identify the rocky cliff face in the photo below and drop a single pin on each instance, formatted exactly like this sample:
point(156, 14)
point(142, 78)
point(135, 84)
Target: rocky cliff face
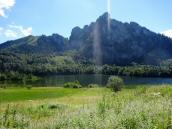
point(123, 44)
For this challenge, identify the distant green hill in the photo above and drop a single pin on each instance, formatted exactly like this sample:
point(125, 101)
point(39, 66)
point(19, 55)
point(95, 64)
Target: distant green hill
point(36, 45)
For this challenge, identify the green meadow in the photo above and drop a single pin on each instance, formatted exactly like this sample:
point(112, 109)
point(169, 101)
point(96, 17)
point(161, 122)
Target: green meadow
point(139, 107)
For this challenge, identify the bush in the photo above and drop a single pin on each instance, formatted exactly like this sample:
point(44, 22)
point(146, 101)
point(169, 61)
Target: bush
point(115, 83)
point(3, 86)
point(75, 84)
point(29, 87)
point(2, 77)
point(93, 86)
point(58, 106)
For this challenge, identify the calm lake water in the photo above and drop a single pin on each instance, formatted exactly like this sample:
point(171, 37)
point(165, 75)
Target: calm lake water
point(59, 80)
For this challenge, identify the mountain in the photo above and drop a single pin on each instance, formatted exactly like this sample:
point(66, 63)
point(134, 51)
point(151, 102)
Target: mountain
point(105, 41)
point(36, 45)
point(123, 44)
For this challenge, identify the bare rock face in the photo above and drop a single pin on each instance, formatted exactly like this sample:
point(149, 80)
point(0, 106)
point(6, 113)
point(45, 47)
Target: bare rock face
point(123, 44)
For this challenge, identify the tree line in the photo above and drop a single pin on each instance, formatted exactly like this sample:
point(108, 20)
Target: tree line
point(17, 65)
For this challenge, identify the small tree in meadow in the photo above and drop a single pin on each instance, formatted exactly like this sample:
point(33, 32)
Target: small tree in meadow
point(75, 84)
point(115, 83)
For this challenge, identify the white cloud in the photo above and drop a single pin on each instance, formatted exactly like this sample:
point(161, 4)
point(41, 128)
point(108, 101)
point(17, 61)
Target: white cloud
point(5, 5)
point(27, 31)
point(168, 33)
point(15, 31)
point(10, 34)
point(24, 31)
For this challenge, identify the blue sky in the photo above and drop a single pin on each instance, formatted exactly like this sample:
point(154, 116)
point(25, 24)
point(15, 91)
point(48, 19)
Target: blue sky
point(20, 18)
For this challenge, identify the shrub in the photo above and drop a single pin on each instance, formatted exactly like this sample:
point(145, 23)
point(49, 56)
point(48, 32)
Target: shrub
point(57, 106)
point(115, 83)
point(93, 85)
point(3, 86)
point(2, 77)
point(52, 107)
point(29, 87)
point(75, 84)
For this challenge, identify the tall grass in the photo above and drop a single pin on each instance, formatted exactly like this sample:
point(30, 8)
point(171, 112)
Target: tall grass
point(137, 108)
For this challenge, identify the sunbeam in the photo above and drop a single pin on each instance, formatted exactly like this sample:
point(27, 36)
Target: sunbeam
point(109, 13)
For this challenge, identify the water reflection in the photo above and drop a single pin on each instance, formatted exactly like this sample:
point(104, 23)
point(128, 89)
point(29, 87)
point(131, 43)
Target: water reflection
point(59, 80)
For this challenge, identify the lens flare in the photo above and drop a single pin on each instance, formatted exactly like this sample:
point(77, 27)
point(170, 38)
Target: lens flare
point(109, 13)
point(97, 45)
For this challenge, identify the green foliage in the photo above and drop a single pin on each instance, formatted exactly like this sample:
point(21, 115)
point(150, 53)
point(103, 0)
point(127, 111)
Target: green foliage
point(115, 83)
point(11, 76)
point(75, 84)
point(17, 76)
point(3, 86)
point(57, 106)
point(13, 120)
point(29, 87)
point(93, 86)
point(19, 66)
point(138, 70)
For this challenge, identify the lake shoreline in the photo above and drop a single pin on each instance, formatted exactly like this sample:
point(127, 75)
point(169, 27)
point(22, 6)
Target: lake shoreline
point(85, 79)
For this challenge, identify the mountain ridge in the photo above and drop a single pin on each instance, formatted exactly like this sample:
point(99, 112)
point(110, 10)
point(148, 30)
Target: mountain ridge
point(35, 44)
point(124, 44)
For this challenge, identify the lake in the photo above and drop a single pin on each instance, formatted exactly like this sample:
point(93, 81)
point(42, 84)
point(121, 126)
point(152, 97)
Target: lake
point(59, 80)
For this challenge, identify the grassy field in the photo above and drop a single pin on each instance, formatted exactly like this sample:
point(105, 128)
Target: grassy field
point(95, 108)
point(21, 94)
